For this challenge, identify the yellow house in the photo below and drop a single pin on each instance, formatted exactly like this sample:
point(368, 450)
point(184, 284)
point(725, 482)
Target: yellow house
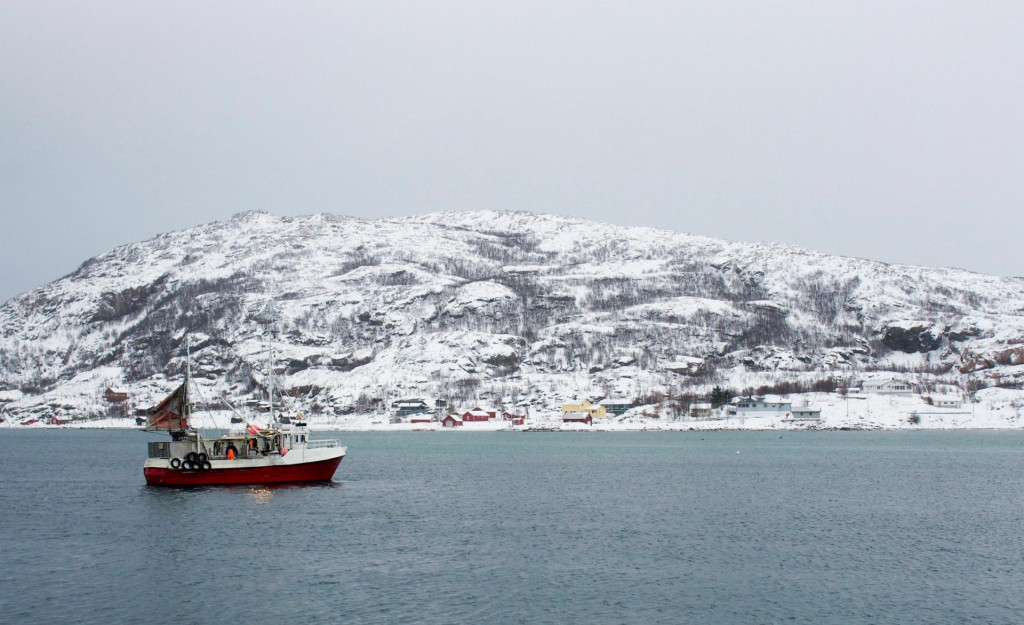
point(595, 412)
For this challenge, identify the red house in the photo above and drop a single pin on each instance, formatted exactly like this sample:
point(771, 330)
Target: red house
point(516, 419)
point(114, 395)
point(478, 414)
point(452, 421)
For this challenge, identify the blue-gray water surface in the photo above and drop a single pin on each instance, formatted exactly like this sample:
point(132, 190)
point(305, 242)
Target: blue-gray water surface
point(501, 528)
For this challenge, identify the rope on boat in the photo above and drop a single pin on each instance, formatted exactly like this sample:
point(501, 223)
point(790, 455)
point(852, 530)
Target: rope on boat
point(199, 391)
point(235, 410)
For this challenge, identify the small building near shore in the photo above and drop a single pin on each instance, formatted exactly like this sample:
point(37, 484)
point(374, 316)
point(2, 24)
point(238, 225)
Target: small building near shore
point(701, 411)
point(479, 414)
point(947, 401)
point(516, 419)
point(757, 405)
point(577, 417)
point(806, 413)
point(596, 411)
point(452, 421)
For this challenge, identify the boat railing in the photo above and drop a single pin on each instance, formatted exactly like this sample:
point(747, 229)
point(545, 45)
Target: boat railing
point(323, 443)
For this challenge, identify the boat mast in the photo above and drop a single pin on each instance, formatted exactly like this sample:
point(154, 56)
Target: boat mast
point(268, 318)
point(270, 374)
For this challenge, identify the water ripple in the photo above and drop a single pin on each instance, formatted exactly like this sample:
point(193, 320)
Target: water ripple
point(857, 528)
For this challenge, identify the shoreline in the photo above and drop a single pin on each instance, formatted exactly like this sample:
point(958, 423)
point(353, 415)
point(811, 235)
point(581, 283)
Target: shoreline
point(684, 426)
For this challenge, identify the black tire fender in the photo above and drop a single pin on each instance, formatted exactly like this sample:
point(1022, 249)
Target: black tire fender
point(175, 463)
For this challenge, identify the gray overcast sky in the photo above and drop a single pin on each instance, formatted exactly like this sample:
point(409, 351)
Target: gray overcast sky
point(885, 130)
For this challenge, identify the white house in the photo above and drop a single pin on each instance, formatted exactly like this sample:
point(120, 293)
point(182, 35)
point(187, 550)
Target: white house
point(700, 411)
point(806, 413)
point(757, 405)
point(947, 401)
point(890, 386)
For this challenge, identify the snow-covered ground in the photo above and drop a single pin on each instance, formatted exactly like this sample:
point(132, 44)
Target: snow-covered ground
point(506, 308)
point(995, 409)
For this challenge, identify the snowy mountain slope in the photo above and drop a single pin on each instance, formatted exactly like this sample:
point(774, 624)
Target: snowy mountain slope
point(505, 306)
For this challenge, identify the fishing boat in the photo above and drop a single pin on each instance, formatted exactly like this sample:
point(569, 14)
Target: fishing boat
point(279, 453)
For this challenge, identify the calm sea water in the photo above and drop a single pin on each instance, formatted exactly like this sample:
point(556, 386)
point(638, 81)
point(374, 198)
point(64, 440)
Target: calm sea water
point(595, 528)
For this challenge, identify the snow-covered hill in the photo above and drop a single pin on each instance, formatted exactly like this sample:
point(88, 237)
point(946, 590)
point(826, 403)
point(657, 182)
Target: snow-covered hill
point(505, 308)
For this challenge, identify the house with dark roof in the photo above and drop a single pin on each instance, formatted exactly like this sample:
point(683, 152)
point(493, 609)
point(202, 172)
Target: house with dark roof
point(406, 407)
point(115, 395)
point(618, 406)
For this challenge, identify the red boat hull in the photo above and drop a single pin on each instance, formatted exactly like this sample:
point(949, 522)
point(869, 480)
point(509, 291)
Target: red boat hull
point(321, 471)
